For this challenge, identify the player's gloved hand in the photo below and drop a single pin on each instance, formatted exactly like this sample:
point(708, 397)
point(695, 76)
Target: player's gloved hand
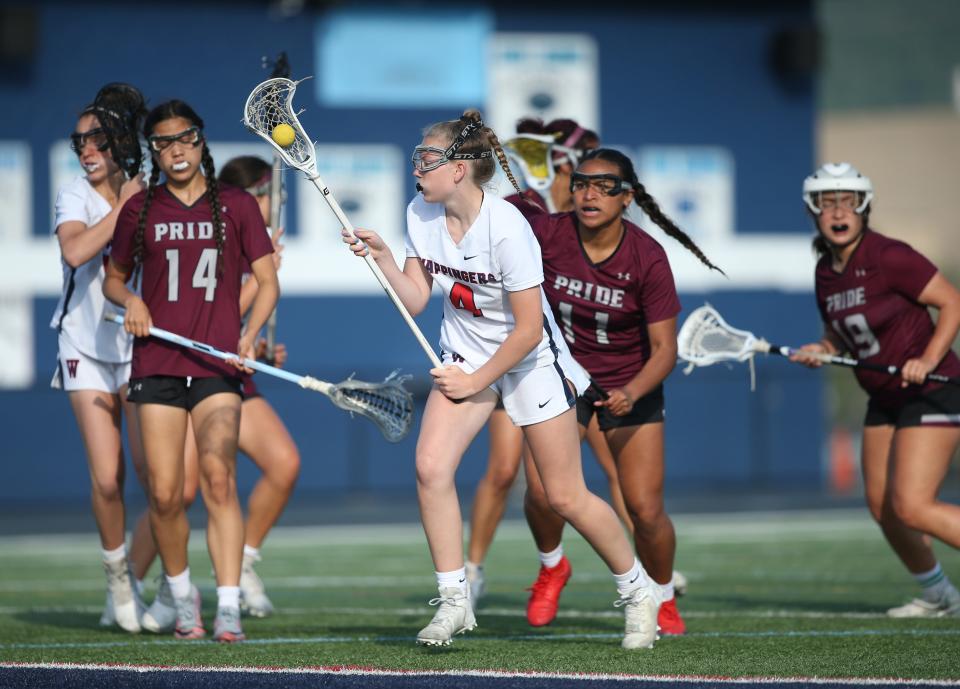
point(454, 382)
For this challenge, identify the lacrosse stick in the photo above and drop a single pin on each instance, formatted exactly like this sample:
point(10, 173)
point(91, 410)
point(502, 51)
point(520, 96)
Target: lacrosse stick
point(705, 339)
point(269, 105)
point(120, 108)
point(387, 404)
point(281, 68)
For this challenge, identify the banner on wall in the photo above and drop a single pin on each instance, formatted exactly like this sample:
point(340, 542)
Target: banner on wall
point(693, 185)
point(16, 312)
point(367, 181)
point(547, 75)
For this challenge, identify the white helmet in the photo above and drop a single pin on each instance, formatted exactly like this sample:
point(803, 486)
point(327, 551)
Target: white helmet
point(837, 177)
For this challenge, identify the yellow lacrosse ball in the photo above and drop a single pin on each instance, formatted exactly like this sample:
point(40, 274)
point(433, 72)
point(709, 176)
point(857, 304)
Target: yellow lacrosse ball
point(283, 134)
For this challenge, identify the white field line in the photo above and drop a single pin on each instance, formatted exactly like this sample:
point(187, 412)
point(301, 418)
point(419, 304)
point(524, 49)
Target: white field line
point(169, 641)
point(746, 527)
point(493, 674)
point(518, 612)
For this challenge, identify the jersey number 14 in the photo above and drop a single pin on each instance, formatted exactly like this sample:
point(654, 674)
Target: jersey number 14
point(204, 275)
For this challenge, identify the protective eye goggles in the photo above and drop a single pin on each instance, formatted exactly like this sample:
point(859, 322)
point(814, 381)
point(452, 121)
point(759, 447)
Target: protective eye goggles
point(188, 137)
point(426, 158)
point(97, 137)
point(611, 185)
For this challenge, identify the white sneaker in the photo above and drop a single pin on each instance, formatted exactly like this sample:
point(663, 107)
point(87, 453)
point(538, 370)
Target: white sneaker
point(122, 597)
point(454, 616)
point(253, 596)
point(640, 611)
point(161, 616)
point(476, 582)
point(947, 606)
point(679, 583)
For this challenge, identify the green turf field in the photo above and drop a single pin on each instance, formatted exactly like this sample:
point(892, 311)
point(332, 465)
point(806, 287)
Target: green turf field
point(794, 594)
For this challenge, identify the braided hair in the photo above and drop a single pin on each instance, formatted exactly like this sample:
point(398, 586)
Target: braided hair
point(477, 141)
point(646, 202)
point(167, 111)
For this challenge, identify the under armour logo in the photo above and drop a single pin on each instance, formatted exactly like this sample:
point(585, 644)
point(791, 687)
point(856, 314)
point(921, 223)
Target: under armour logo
point(623, 276)
point(72, 367)
point(860, 272)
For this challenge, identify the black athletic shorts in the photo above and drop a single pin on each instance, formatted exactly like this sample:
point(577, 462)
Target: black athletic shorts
point(647, 409)
point(939, 407)
point(177, 391)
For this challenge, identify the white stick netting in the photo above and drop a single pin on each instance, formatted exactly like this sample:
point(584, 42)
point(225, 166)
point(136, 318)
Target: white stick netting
point(705, 339)
point(271, 104)
point(387, 404)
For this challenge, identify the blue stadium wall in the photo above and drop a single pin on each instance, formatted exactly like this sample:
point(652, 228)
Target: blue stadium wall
point(687, 75)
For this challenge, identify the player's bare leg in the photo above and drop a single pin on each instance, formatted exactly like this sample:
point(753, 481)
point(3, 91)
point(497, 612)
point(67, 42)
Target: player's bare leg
point(921, 460)
point(601, 450)
point(555, 446)
point(490, 498)
point(446, 432)
point(265, 439)
point(640, 453)
point(98, 417)
point(907, 543)
point(216, 422)
point(640, 463)
point(163, 429)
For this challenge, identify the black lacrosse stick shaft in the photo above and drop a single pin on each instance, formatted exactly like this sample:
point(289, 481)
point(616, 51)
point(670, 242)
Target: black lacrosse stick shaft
point(781, 350)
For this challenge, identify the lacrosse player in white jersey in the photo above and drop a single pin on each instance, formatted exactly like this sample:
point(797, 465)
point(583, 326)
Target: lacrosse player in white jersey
point(93, 361)
point(498, 339)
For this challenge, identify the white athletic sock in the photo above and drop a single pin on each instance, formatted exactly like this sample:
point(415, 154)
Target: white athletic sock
point(228, 597)
point(249, 550)
point(551, 559)
point(934, 583)
point(455, 579)
point(666, 590)
point(632, 579)
point(180, 584)
point(114, 555)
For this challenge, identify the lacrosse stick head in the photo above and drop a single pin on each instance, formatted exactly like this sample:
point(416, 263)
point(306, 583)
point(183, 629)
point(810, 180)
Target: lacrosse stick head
point(120, 108)
point(270, 105)
point(388, 404)
point(532, 154)
point(705, 339)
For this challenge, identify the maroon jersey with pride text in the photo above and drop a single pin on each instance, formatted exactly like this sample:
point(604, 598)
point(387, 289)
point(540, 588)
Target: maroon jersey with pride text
point(872, 307)
point(180, 283)
point(604, 308)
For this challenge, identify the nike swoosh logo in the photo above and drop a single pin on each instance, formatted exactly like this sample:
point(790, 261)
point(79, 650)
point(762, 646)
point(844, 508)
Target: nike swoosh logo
point(467, 258)
point(463, 580)
point(635, 578)
point(544, 404)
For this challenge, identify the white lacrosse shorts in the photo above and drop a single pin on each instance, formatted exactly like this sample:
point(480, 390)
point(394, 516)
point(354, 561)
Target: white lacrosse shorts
point(77, 371)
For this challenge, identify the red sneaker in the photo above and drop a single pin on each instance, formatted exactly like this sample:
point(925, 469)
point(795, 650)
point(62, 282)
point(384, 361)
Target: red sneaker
point(545, 593)
point(669, 620)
